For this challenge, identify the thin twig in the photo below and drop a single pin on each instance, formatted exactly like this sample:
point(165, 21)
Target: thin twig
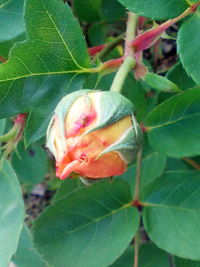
point(136, 249)
point(138, 175)
point(193, 163)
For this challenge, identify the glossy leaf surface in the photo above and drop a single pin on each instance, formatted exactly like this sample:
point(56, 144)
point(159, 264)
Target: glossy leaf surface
point(99, 221)
point(153, 165)
point(172, 213)
point(156, 9)
point(186, 263)
point(26, 254)
point(174, 125)
point(149, 256)
point(11, 24)
point(55, 45)
point(30, 164)
point(188, 48)
point(11, 213)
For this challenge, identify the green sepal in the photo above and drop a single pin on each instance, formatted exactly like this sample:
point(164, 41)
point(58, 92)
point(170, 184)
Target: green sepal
point(160, 83)
point(113, 107)
point(128, 145)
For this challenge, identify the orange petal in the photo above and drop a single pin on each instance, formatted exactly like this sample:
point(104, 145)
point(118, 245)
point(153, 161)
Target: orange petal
point(108, 165)
point(72, 166)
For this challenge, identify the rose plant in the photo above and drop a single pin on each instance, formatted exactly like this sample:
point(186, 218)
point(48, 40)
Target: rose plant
point(103, 92)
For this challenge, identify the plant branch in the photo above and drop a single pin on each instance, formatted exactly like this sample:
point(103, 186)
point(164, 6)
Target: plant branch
point(130, 33)
point(193, 163)
point(122, 73)
point(136, 249)
point(129, 60)
point(138, 176)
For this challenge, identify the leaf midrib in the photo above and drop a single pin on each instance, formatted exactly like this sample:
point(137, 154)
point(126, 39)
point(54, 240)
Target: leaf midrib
point(99, 218)
point(173, 121)
point(46, 73)
point(61, 37)
point(125, 206)
point(148, 204)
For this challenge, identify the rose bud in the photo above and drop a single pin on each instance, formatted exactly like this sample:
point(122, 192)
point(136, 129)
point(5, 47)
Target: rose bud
point(94, 134)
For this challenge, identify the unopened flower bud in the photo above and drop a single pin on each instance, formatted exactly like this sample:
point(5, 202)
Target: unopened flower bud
point(94, 134)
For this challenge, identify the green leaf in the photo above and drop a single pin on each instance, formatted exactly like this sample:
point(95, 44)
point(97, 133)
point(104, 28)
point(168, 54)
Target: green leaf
point(26, 254)
point(30, 164)
point(156, 9)
point(174, 125)
point(68, 187)
point(172, 212)
point(97, 34)
point(153, 165)
point(112, 10)
point(188, 48)
point(6, 46)
point(160, 83)
point(41, 96)
point(186, 263)
point(149, 256)
point(38, 96)
point(2, 126)
point(55, 44)
point(174, 164)
point(178, 75)
point(133, 90)
point(11, 24)
point(91, 227)
point(88, 10)
point(11, 213)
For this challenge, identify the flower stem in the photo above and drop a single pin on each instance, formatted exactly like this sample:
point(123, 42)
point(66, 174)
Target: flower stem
point(130, 33)
point(122, 73)
point(136, 249)
point(138, 175)
point(136, 199)
point(129, 60)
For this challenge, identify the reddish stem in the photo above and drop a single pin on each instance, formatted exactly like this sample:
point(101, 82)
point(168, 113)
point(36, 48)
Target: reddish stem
point(137, 204)
point(143, 127)
point(193, 163)
point(195, 6)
